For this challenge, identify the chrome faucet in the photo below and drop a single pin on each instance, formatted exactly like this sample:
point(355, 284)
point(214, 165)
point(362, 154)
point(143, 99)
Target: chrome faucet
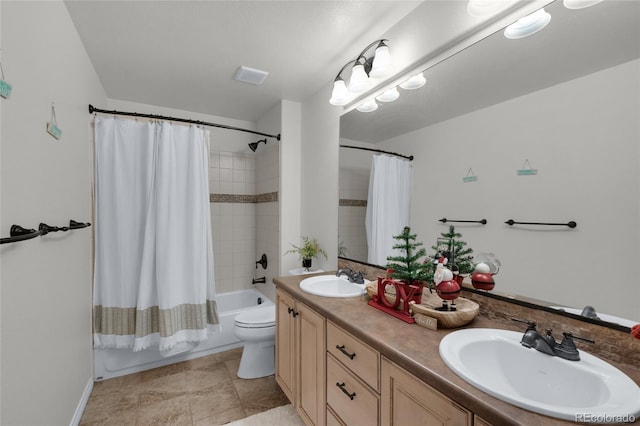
point(548, 345)
point(354, 277)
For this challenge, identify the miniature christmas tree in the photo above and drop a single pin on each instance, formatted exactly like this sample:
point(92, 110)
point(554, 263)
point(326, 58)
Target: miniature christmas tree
point(407, 267)
point(457, 253)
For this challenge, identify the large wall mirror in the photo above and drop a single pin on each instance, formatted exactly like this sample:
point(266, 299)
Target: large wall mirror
point(564, 102)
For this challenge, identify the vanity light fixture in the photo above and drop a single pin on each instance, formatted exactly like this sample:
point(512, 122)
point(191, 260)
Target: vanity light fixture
point(415, 82)
point(528, 25)
point(364, 68)
point(580, 4)
point(368, 106)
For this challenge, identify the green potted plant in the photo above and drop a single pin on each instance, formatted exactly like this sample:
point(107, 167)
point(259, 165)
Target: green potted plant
point(307, 251)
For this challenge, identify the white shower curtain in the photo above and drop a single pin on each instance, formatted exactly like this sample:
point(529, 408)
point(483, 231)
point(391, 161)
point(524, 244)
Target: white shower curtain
point(153, 277)
point(387, 205)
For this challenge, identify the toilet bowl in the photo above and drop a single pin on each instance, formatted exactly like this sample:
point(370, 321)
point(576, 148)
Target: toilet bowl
point(257, 329)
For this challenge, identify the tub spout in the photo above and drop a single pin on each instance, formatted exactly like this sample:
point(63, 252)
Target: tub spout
point(261, 280)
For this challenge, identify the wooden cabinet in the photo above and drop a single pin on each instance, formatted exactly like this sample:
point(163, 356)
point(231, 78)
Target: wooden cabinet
point(300, 357)
point(407, 400)
point(353, 379)
point(335, 379)
point(285, 344)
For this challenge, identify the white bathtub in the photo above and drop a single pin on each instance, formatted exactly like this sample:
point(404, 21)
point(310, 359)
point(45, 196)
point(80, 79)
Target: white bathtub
point(109, 363)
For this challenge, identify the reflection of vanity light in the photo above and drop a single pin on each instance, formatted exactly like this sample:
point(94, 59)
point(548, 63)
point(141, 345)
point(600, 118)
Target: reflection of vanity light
point(580, 4)
point(368, 106)
point(415, 82)
point(528, 25)
point(389, 95)
point(482, 8)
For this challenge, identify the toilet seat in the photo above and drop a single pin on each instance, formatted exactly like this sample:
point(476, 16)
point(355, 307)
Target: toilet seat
point(257, 318)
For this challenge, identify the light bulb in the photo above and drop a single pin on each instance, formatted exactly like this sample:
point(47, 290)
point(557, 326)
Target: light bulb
point(381, 62)
point(528, 25)
point(368, 106)
point(389, 95)
point(415, 82)
point(340, 94)
point(359, 80)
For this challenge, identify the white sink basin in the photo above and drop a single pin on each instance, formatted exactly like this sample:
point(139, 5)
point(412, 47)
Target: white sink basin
point(331, 286)
point(495, 362)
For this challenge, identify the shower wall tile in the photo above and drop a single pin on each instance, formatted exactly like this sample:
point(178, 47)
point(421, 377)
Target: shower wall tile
point(354, 189)
point(268, 169)
point(243, 199)
point(351, 231)
point(234, 215)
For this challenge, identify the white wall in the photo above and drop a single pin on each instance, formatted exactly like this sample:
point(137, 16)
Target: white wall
point(290, 184)
point(582, 137)
point(319, 173)
point(46, 282)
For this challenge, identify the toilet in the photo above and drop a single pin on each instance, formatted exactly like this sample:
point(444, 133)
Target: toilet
point(257, 329)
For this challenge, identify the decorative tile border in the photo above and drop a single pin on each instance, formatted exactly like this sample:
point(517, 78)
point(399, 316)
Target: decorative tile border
point(246, 199)
point(269, 197)
point(352, 203)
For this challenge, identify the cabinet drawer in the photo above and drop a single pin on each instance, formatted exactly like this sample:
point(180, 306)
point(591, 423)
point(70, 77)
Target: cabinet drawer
point(354, 354)
point(349, 397)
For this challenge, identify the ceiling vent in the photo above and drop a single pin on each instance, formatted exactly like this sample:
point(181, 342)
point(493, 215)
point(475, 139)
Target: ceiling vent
point(250, 75)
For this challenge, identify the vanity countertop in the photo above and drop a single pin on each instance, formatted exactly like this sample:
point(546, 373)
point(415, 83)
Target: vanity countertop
point(415, 348)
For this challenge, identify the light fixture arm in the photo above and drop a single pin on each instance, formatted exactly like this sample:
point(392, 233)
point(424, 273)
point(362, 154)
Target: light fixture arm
point(378, 42)
point(338, 76)
point(367, 61)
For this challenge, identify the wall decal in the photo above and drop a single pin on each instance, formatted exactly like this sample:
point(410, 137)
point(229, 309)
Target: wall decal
point(52, 126)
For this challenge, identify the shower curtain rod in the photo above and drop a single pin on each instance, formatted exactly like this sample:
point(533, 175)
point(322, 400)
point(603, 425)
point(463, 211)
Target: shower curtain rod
point(410, 157)
point(93, 109)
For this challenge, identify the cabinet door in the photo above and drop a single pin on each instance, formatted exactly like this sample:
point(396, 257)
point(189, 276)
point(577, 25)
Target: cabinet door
point(407, 400)
point(285, 344)
point(311, 365)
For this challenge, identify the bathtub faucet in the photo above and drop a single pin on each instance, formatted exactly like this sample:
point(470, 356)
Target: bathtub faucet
point(354, 277)
point(261, 280)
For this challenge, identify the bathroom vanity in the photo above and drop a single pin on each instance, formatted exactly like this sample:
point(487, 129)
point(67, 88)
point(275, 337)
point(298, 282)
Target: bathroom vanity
point(341, 362)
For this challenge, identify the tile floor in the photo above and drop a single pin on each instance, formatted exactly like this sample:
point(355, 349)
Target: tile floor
point(203, 391)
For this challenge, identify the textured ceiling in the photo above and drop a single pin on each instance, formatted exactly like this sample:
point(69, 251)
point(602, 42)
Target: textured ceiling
point(184, 54)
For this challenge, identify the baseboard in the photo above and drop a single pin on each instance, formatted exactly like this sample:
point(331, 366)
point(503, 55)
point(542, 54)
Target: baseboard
point(75, 421)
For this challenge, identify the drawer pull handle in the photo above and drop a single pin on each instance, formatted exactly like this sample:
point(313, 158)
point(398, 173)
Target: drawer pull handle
point(346, 392)
point(343, 350)
point(291, 310)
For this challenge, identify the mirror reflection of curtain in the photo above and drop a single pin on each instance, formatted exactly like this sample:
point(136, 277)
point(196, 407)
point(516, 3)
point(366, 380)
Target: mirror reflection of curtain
point(387, 205)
